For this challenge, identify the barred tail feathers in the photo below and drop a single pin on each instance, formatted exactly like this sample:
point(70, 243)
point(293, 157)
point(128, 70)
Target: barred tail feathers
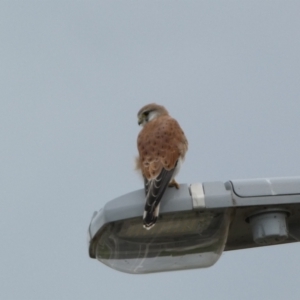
point(150, 218)
point(155, 189)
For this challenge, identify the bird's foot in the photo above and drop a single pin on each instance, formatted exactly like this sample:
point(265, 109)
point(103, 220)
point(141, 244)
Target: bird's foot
point(174, 183)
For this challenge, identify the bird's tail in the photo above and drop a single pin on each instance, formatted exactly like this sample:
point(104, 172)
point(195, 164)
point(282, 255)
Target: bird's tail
point(150, 217)
point(155, 189)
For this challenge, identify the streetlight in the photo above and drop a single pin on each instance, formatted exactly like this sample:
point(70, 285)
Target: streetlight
point(196, 224)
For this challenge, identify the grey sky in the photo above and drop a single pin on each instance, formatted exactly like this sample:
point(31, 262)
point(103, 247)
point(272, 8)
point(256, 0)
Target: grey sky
point(74, 75)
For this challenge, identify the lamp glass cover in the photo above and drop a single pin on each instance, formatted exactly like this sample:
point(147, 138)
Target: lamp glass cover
point(178, 241)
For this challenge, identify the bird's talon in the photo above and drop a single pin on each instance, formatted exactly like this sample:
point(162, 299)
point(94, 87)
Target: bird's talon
point(173, 183)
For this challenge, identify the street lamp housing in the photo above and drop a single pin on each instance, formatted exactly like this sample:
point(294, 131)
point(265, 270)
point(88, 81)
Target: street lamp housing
point(196, 224)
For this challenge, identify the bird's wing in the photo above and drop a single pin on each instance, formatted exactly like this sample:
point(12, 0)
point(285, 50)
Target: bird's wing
point(146, 185)
point(155, 189)
point(161, 143)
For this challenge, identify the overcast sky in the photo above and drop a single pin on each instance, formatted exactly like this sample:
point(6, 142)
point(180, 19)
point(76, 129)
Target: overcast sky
point(73, 76)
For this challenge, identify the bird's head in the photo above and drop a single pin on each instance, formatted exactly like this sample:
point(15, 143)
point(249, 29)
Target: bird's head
point(150, 112)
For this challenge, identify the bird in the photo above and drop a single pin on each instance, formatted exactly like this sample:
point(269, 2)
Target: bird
point(162, 146)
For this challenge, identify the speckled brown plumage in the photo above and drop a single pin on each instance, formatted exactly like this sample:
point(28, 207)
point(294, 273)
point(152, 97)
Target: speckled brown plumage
point(160, 143)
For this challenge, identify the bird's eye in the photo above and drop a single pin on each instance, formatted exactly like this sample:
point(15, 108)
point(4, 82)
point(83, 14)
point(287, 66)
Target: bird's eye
point(146, 113)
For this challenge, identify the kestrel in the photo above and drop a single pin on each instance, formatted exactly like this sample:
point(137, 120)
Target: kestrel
point(162, 146)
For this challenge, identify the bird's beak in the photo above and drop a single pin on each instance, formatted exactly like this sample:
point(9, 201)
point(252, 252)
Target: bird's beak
point(140, 120)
